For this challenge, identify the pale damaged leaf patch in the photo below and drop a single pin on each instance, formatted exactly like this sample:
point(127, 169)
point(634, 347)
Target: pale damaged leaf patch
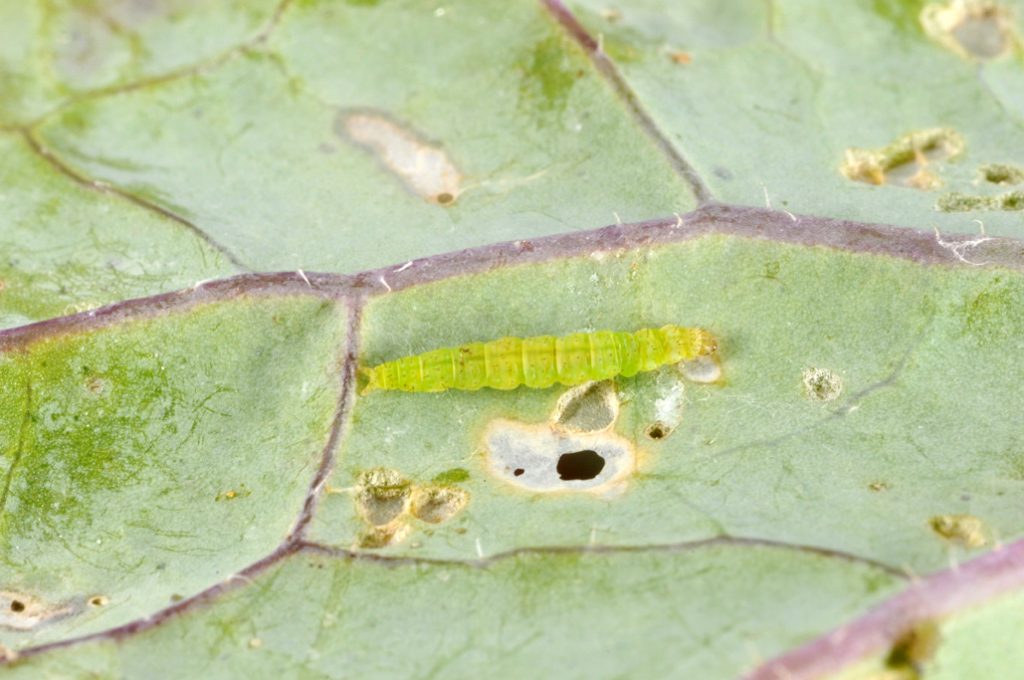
point(966, 531)
point(387, 501)
point(972, 29)
point(702, 370)
point(539, 458)
point(21, 611)
point(435, 504)
point(822, 384)
point(906, 161)
point(668, 407)
point(1002, 173)
point(423, 167)
point(590, 407)
point(956, 201)
point(577, 450)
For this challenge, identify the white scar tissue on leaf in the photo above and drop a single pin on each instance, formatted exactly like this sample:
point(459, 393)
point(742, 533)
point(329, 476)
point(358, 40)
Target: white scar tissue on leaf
point(425, 169)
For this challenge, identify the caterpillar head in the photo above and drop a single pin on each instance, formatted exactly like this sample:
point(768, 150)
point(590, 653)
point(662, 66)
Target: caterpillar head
point(367, 380)
point(684, 344)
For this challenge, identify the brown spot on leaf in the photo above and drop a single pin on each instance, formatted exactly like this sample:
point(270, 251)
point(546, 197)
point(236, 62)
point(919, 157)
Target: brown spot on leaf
point(680, 57)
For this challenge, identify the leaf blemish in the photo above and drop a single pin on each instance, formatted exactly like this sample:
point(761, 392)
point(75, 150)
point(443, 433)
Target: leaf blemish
point(590, 407)
point(383, 495)
point(704, 369)
point(972, 29)
point(956, 201)
point(21, 611)
point(966, 531)
point(388, 502)
point(423, 167)
point(539, 458)
point(822, 384)
point(436, 504)
point(906, 160)
point(997, 173)
point(97, 385)
point(668, 406)
point(383, 536)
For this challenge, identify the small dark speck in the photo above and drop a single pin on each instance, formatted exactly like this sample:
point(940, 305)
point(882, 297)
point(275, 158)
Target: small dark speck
point(518, 472)
point(722, 173)
point(965, 497)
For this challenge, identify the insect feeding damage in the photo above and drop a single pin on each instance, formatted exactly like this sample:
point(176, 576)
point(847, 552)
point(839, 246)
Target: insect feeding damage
point(387, 501)
point(540, 458)
point(541, 361)
point(425, 169)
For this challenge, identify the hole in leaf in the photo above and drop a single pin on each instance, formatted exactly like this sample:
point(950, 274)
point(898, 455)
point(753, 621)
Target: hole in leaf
point(22, 611)
point(538, 457)
point(579, 465)
point(657, 431)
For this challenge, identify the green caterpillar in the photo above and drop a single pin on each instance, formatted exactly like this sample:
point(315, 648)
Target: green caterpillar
point(540, 361)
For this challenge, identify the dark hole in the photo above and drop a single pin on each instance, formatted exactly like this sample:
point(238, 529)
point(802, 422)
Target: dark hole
point(444, 198)
point(580, 465)
point(657, 431)
point(518, 471)
point(17, 606)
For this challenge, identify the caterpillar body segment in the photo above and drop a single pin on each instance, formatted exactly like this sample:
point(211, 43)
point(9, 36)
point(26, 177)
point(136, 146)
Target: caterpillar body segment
point(540, 361)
